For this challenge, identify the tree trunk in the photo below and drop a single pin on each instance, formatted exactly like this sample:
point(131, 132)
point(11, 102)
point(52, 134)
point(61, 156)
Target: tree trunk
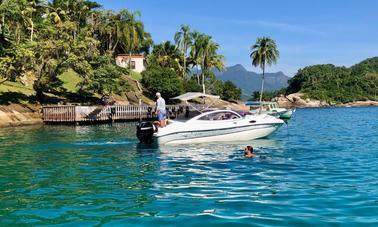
point(32, 31)
point(17, 34)
point(198, 76)
point(130, 63)
point(2, 25)
point(184, 70)
point(203, 77)
point(262, 86)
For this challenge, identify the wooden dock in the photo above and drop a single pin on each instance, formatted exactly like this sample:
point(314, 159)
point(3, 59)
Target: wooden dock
point(94, 114)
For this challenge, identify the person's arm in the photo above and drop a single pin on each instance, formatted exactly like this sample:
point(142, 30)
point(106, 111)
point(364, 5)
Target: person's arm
point(157, 106)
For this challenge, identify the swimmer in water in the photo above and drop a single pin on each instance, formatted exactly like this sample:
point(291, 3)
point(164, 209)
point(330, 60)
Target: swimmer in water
point(248, 152)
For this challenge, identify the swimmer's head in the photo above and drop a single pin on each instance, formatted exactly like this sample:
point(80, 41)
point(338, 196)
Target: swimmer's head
point(249, 148)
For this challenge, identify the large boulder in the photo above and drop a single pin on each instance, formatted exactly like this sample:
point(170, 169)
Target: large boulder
point(298, 100)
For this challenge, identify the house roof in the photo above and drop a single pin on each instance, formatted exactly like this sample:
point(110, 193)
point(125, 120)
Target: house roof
point(132, 56)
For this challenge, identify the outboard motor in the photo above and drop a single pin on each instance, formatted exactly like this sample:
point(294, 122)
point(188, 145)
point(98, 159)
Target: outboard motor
point(145, 131)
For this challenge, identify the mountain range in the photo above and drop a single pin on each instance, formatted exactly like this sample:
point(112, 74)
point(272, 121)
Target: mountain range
point(250, 81)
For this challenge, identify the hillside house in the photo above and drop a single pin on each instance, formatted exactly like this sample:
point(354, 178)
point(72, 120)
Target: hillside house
point(138, 62)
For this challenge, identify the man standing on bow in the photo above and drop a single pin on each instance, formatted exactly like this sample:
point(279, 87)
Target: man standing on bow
point(160, 110)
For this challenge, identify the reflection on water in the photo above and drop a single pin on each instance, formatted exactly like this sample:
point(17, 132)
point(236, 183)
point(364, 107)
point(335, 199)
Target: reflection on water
point(312, 171)
point(218, 151)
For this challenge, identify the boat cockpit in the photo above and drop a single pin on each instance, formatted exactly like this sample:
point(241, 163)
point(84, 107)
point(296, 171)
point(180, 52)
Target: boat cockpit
point(219, 116)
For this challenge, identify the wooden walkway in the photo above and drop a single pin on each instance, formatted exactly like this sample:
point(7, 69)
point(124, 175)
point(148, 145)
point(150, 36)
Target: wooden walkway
point(93, 114)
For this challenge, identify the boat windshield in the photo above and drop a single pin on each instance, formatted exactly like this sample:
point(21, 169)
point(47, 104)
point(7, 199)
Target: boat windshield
point(219, 116)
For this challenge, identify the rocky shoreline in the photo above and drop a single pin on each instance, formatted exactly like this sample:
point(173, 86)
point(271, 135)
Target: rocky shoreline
point(20, 115)
point(296, 100)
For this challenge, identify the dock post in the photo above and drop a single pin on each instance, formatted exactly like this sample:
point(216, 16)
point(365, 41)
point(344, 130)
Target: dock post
point(140, 109)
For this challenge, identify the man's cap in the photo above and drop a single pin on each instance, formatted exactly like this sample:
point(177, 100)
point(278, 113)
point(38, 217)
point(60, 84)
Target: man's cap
point(158, 94)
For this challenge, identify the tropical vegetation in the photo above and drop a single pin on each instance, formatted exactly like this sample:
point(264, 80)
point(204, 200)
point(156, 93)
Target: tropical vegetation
point(264, 52)
point(192, 59)
point(40, 40)
point(338, 84)
point(66, 49)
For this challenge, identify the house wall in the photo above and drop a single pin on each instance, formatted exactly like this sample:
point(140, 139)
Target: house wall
point(139, 63)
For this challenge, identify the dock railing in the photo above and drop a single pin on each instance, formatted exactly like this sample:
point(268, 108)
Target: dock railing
point(77, 114)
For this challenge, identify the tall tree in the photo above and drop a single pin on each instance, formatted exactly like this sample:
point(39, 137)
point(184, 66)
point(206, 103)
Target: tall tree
point(166, 55)
point(264, 52)
point(183, 42)
point(207, 51)
point(27, 14)
point(132, 32)
point(195, 58)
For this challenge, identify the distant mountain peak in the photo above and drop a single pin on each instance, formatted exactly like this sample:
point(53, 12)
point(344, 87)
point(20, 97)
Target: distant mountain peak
point(237, 67)
point(250, 81)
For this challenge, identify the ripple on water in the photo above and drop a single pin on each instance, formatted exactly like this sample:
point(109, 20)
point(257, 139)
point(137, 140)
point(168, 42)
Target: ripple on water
point(319, 170)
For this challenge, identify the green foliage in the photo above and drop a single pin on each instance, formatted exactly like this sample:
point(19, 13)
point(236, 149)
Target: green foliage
point(107, 80)
point(192, 85)
point(227, 90)
point(71, 81)
point(136, 76)
point(268, 95)
point(230, 91)
point(16, 63)
point(337, 84)
point(43, 39)
point(197, 50)
point(163, 80)
point(166, 55)
point(183, 41)
point(264, 52)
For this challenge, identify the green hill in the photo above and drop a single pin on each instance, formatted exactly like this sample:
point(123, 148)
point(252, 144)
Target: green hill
point(338, 84)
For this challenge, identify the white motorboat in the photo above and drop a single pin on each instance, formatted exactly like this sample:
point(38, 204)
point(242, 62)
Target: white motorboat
point(271, 108)
point(210, 126)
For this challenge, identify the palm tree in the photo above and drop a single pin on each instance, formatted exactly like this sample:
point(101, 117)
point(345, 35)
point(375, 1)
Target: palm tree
point(264, 52)
point(166, 55)
point(27, 14)
point(194, 52)
point(183, 42)
point(207, 51)
point(133, 32)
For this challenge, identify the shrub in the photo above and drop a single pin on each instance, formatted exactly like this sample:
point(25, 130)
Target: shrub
point(163, 80)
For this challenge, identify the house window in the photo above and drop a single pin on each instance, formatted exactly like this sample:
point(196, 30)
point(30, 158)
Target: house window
point(132, 64)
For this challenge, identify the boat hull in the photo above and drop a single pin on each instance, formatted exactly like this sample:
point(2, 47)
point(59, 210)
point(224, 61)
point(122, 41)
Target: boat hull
point(219, 135)
point(287, 114)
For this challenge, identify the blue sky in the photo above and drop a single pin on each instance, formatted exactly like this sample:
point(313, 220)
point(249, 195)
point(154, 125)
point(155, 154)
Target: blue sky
point(341, 32)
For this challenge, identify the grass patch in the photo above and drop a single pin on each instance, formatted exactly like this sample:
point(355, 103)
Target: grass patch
point(15, 92)
point(70, 80)
point(136, 76)
point(16, 87)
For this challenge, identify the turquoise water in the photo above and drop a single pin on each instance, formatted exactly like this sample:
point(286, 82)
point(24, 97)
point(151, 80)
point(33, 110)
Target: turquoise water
point(321, 169)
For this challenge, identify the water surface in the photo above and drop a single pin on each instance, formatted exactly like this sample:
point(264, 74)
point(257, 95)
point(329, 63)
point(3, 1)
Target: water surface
point(320, 169)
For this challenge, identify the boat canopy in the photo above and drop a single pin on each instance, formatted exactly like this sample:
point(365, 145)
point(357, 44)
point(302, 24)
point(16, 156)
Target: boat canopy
point(192, 95)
